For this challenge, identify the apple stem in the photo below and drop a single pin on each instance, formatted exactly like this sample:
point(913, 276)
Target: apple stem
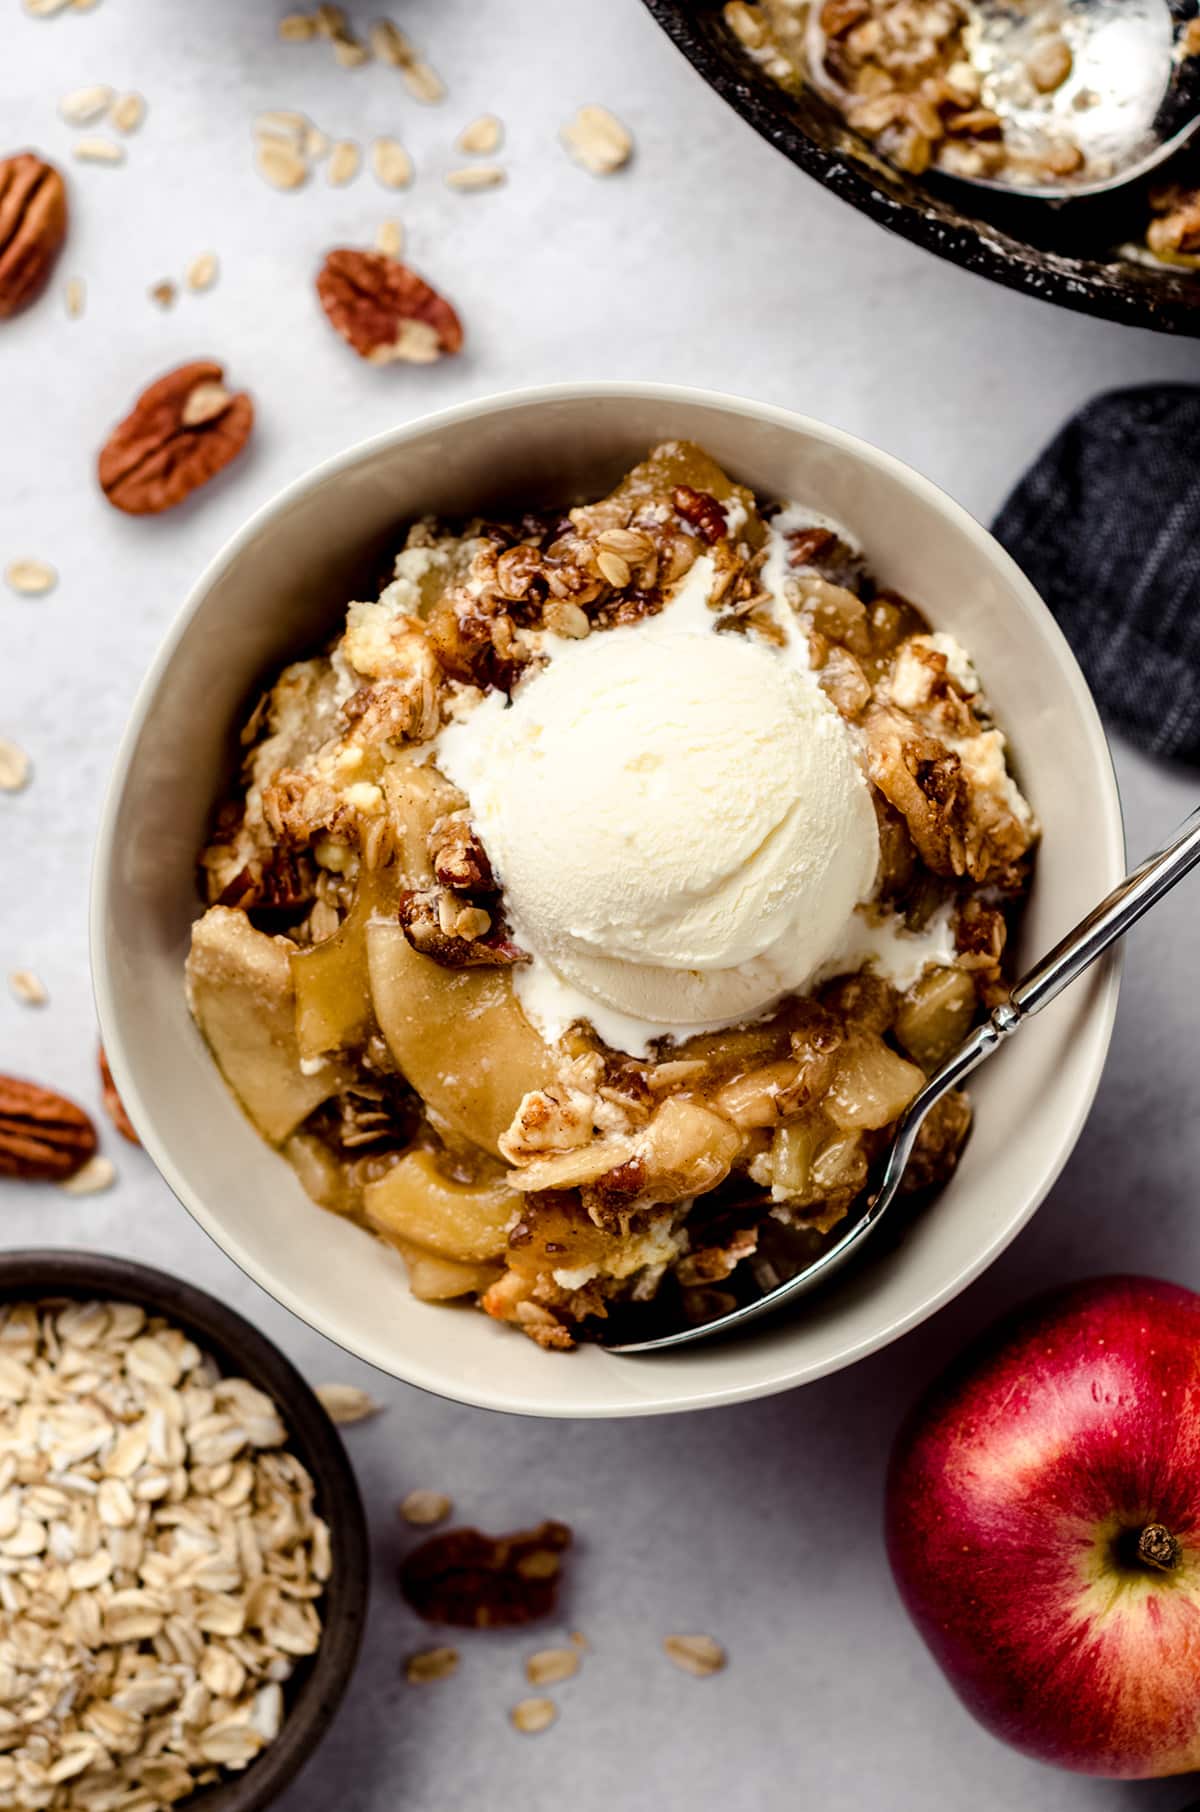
point(1158, 1548)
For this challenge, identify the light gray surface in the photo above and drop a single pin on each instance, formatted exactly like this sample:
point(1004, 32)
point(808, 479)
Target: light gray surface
point(710, 261)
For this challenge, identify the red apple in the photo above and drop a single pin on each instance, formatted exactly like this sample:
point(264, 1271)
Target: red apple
point(1043, 1525)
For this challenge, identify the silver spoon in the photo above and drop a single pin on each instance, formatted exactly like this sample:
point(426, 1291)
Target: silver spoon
point(1110, 920)
point(1130, 101)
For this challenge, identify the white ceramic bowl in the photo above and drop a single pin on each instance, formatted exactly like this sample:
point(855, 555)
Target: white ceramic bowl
point(281, 586)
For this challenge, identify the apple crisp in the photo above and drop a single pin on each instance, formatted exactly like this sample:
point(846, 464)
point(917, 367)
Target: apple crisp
point(911, 78)
point(373, 986)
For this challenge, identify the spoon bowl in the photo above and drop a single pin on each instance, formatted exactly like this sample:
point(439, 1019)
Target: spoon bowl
point(1129, 101)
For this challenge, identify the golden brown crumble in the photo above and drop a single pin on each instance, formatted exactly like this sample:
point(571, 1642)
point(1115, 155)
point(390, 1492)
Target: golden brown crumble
point(354, 971)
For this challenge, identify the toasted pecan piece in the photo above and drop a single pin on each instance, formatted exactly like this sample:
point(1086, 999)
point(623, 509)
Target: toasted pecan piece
point(384, 310)
point(179, 434)
point(114, 1107)
point(33, 225)
point(44, 1137)
point(477, 1581)
point(701, 511)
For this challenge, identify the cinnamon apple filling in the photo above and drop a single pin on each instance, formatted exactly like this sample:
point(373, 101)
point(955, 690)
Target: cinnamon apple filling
point(590, 910)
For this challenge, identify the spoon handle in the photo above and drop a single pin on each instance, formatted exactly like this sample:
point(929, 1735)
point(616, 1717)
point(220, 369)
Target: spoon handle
point(1110, 920)
point(1074, 953)
point(1095, 934)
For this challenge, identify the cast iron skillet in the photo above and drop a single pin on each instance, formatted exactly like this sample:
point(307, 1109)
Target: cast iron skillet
point(1063, 255)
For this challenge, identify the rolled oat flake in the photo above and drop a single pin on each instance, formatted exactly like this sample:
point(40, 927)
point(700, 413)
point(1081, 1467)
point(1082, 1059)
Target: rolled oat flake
point(699, 1655)
point(424, 1508)
point(533, 1715)
point(31, 578)
point(15, 767)
point(27, 987)
point(346, 1403)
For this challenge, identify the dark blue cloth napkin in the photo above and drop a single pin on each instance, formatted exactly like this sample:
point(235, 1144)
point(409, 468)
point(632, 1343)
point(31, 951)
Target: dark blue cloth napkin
point(1107, 525)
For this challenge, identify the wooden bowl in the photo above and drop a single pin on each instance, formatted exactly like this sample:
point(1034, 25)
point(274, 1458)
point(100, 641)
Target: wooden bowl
point(315, 1690)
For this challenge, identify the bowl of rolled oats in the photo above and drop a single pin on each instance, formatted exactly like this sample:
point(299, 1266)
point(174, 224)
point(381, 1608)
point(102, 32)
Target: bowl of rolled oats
point(182, 1547)
point(884, 102)
point(608, 804)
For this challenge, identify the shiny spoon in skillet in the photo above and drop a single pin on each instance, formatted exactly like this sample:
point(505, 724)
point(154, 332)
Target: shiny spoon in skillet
point(1130, 101)
point(1095, 934)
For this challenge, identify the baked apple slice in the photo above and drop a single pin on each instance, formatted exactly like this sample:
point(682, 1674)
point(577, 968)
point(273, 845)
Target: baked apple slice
point(459, 1036)
point(241, 994)
point(414, 1203)
point(333, 992)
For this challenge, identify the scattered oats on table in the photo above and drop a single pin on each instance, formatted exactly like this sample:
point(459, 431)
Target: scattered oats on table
point(15, 767)
point(97, 1175)
point(424, 1508)
point(202, 272)
point(346, 1403)
point(391, 46)
point(350, 53)
point(95, 149)
point(282, 122)
point(532, 1715)
point(297, 28)
point(344, 160)
point(699, 1655)
point(28, 988)
point(75, 297)
point(127, 112)
point(391, 163)
point(430, 1664)
point(31, 578)
point(164, 293)
point(424, 83)
point(84, 106)
point(596, 139)
point(389, 238)
point(161, 1561)
point(549, 1666)
point(280, 164)
point(475, 176)
point(482, 135)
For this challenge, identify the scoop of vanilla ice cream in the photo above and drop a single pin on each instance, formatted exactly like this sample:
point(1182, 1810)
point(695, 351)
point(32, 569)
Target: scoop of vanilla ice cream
point(678, 820)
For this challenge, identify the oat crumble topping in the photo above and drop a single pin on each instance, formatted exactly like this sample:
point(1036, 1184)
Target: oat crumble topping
point(357, 977)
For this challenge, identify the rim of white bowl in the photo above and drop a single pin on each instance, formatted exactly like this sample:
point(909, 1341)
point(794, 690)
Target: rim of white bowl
point(1098, 1026)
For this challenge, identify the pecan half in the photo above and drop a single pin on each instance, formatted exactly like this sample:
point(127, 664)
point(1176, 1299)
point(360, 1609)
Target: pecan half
point(33, 225)
point(477, 1581)
point(281, 884)
point(384, 310)
point(701, 510)
point(807, 545)
point(180, 433)
point(42, 1135)
point(114, 1107)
